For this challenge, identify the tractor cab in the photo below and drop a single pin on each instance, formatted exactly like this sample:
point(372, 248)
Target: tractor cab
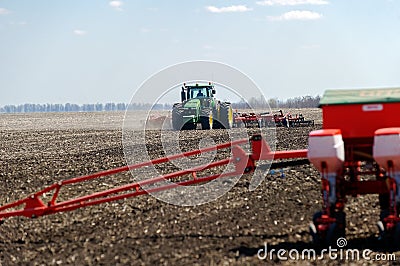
point(197, 91)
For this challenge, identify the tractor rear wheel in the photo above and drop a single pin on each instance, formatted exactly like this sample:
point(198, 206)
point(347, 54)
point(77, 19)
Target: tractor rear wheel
point(225, 120)
point(189, 126)
point(206, 119)
point(177, 121)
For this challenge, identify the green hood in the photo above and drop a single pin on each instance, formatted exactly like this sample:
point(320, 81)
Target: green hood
point(192, 103)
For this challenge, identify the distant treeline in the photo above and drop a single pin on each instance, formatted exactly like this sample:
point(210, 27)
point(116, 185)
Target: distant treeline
point(69, 107)
point(297, 102)
point(259, 103)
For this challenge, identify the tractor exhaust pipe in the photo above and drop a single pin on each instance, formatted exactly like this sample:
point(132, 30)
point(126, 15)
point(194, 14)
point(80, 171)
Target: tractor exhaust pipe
point(183, 95)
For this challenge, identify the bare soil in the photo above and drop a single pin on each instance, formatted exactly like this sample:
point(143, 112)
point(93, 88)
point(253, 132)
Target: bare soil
point(39, 149)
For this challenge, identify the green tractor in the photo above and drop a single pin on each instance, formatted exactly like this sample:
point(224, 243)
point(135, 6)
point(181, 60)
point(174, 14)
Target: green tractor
point(199, 106)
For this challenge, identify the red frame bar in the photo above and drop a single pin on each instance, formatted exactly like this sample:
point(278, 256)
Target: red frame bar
point(33, 206)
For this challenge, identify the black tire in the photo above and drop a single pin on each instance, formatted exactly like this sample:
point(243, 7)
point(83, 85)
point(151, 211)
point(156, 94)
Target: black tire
point(385, 237)
point(205, 119)
point(396, 236)
point(341, 223)
point(384, 202)
point(189, 126)
point(225, 118)
point(316, 239)
point(177, 121)
point(335, 230)
point(388, 238)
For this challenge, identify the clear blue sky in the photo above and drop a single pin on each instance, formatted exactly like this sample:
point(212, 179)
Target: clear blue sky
point(101, 51)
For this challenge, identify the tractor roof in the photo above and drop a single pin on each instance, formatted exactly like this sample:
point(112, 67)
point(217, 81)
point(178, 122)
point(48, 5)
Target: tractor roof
point(198, 86)
point(360, 96)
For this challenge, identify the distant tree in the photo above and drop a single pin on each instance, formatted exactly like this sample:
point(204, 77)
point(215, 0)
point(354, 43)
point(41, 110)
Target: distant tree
point(273, 103)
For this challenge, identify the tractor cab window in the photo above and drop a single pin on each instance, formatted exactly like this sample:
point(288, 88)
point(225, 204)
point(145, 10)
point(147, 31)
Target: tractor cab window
point(199, 93)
